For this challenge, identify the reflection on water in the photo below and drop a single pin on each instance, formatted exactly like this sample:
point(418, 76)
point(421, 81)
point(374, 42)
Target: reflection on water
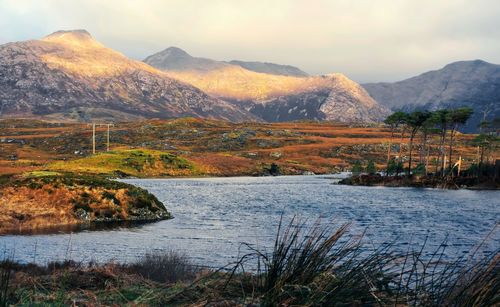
point(71, 228)
point(213, 216)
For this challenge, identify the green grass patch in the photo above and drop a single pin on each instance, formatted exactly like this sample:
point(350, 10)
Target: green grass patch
point(123, 163)
point(35, 174)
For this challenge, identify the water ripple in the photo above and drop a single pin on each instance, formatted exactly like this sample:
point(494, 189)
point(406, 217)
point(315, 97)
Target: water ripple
point(214, 216)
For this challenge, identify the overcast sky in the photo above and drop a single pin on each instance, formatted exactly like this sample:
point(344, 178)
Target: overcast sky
point(368, 40)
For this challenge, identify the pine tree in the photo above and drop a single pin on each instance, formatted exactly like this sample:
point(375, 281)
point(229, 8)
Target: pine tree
point(371, 168)
point(357, 168)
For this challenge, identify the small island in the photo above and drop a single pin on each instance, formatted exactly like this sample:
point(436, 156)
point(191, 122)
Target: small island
point(430, 181)
point(432, 158)
point(43, 201)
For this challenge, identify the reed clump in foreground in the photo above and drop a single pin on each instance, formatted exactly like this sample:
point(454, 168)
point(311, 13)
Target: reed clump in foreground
point(316, 265)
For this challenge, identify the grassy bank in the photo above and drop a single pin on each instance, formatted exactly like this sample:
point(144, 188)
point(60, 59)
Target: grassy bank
point(308, 266)
point(43, 200)
point(132, 162)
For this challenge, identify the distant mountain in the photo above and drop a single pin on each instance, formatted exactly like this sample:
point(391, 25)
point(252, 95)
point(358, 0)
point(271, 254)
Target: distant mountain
point(271, 68)
point(69, 75)
point(273, 97)
point(174, 58)
point(331, 97)
point(468, 83)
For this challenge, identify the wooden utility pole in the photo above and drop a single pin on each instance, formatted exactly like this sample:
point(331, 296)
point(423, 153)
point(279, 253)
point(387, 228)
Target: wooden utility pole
point(93, 138)
point(107, 139)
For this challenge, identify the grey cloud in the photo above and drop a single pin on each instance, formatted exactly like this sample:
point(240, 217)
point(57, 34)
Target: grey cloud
point(368, 40)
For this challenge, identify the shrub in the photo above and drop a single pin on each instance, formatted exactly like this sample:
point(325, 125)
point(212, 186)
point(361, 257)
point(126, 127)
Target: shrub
point(171, 160)
point(143, 199)
point(357, 168)
point(138, 159)
point(483, 170)
point(5, 179)
point(371, 168)
point(419, 170)
point(83, 202)
point(167, 267)
point(78, 204)
point(394, 167)
point(34, 185)
point(110, 196)
point(274, 169)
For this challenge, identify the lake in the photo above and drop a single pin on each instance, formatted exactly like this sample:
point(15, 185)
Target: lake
point(213, 216)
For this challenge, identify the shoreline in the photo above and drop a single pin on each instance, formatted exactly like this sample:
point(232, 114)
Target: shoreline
point(219, 177)
point(77, 224)
point(458, 183)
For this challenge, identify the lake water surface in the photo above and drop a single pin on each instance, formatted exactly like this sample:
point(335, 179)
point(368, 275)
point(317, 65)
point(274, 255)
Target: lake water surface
point(213, 216)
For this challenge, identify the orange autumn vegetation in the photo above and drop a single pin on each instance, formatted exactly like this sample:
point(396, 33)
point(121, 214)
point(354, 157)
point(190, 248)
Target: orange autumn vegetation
point(38, 203)
point(210, 148)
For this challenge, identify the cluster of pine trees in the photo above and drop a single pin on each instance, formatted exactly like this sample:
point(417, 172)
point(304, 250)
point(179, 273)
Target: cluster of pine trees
point(422, 127)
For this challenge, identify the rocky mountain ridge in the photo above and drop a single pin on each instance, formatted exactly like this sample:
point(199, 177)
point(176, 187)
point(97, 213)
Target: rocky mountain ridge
point(271, 68)
point(475, 84)
point(273, 97)
point(70, 76)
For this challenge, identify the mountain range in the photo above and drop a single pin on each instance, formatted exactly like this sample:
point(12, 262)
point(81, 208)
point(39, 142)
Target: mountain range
point(68, 75)
point(474, 84)
point(174, 58)
point(282, 93)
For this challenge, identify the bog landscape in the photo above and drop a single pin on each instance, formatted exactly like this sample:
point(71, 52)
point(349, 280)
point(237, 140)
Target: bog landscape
point(180, 180)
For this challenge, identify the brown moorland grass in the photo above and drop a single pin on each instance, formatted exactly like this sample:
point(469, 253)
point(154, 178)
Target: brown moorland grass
point(217, 148)
point(46, 200)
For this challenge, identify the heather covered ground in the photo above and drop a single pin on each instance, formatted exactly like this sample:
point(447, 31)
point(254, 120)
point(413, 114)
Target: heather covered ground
point(196, 147)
